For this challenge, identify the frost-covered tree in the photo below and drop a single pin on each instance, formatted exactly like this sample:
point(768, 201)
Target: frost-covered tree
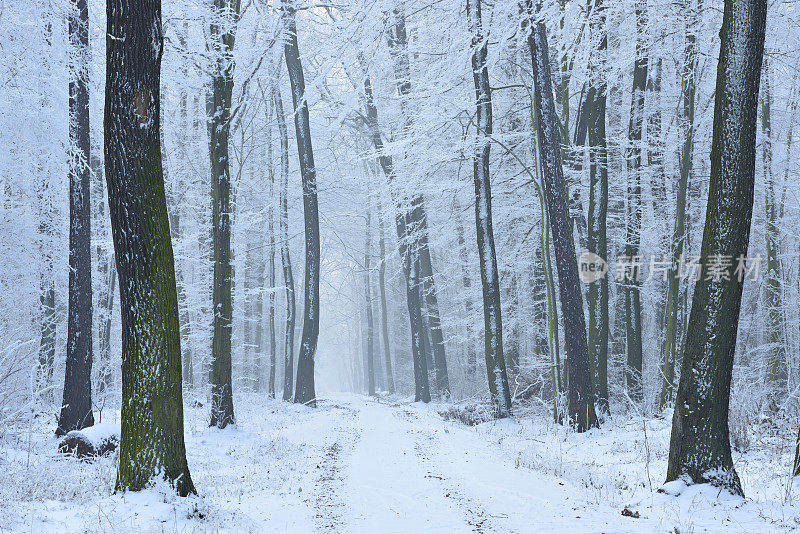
point(493, 322)
point(581, 409)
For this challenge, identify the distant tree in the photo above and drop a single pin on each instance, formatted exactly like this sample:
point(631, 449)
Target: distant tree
point(152, 399)
point(417, 223)
point(670, 348)
point(286, 259)
point(700, 447)
point(407, 248)
point(772, 232)
point(370, 341)
point(384, 312)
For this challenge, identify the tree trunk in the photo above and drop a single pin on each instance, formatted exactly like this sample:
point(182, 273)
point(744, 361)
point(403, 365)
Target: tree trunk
point(700, 445)
point(152, 400)
point(47, 300)
point(490, 280)
point(183, 314)
point(286, 259)
point(106, 380)
point(368, 306)
point(408, 254)
point(773, 287)
point(597, 296)
point(304, 392)
point(273, 346)
point(384, 314)
point(672, 306)
point(796, 463)
point(223, 39)
point(581, 398)
point(76, 406)
point(472, 354)
point(432, 307)
point(633, 229)
point(397, 39)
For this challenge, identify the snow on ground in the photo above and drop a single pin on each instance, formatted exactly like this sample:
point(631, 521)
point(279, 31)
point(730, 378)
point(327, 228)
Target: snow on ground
point(367, 466)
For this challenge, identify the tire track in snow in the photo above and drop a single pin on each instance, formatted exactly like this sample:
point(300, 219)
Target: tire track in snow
point(474, 513)
point(328, 503)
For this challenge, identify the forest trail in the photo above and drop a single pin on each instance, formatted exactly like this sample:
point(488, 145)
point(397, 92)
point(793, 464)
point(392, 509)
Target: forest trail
point(369, 465)
point(387, 467)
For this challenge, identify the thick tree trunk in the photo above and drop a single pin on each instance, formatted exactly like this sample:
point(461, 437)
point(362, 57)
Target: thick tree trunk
point(384, 313)
point(304, 392)
point(672, 307)
point(581, 397)
point(597, 296)
point(490, 280)
point(76, 405)
point(633, 229)
point(700, 446)
point(222, 93)
point(152, 400)
point(286, 259)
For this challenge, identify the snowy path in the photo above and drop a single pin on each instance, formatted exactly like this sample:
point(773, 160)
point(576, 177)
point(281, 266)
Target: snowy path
point(362, 465)
point(400, 468)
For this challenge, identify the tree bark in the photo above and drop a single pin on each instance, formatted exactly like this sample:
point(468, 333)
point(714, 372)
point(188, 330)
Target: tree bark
point(490, 279)
point(304, 392)
point(76, 404)
point(581, 397)
point(152, 442)
point(700, 446)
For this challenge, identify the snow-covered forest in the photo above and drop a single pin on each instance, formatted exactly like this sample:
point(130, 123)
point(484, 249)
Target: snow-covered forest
point(399, 266)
